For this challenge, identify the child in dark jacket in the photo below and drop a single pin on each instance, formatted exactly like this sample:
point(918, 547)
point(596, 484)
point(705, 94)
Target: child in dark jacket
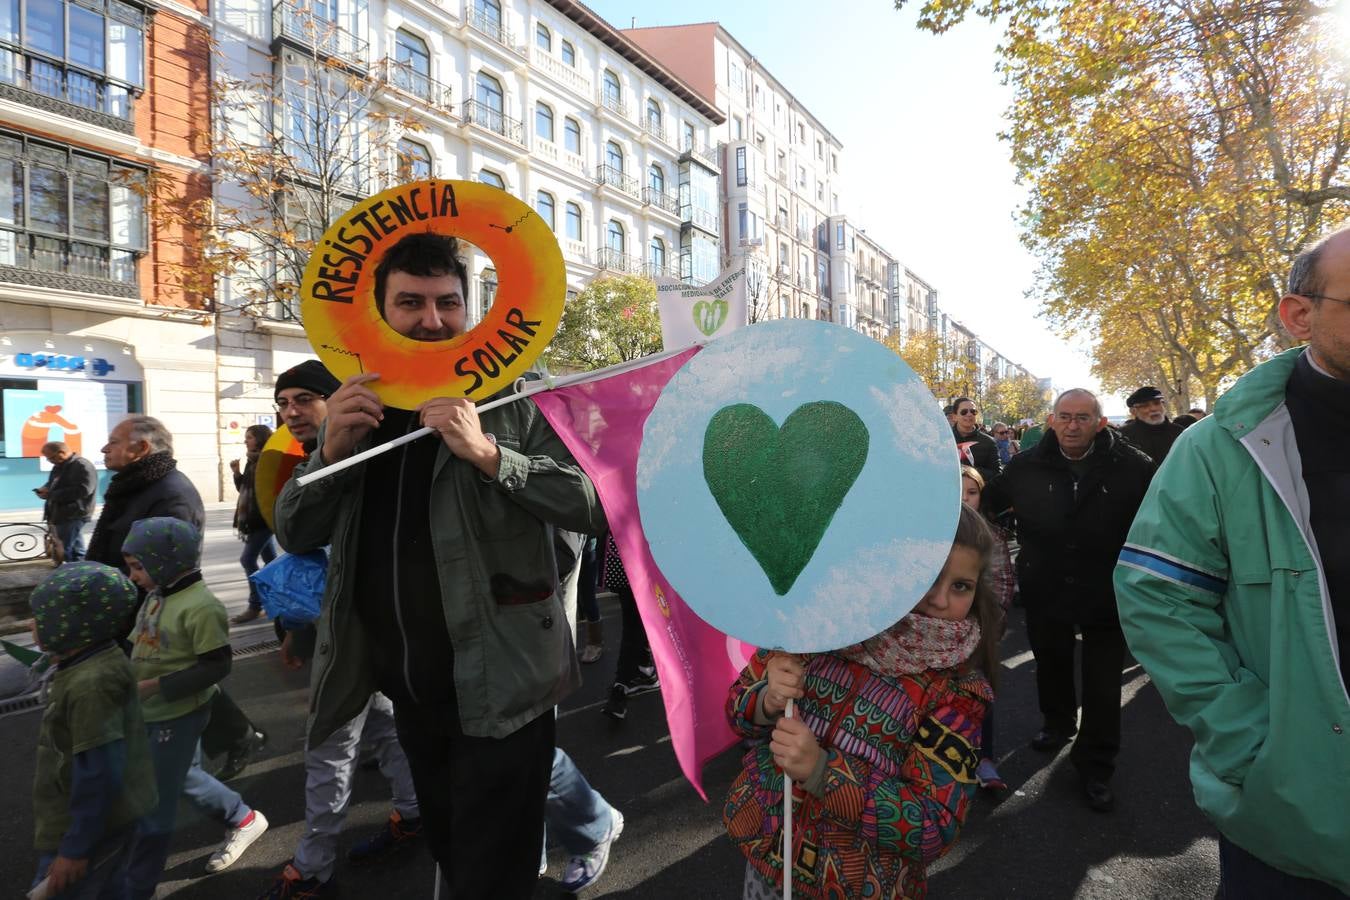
point(93, 779)
point(881, 745)
point(180, 650)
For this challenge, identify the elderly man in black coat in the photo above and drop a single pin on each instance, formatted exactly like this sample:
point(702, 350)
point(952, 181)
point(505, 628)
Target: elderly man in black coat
point(1074, 496)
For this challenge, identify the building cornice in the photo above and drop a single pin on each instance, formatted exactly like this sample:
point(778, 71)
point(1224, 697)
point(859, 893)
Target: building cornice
point(41, 122)
point(629, 50)
point(54, 298)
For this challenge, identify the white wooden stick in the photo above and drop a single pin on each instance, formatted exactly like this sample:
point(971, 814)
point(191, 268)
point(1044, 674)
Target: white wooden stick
point(787, 821)
point(529, 389)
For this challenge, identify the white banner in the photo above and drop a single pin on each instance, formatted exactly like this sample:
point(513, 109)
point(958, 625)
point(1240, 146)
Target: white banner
point(690, 314)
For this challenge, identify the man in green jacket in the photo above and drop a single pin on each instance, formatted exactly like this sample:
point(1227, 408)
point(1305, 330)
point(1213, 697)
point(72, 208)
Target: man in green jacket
point(1234, 593)
point(443, 588)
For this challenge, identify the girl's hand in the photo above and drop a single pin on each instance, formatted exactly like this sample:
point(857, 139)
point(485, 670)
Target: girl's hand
point(785, 675)
point(794, 748)
point(65, 872)
point(149, 688)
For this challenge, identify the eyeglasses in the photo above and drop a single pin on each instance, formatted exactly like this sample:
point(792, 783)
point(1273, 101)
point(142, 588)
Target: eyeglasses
point(299, 401)
point(967, 412)
point(1324, 297)
point(1080, 418)
point(1001, 431)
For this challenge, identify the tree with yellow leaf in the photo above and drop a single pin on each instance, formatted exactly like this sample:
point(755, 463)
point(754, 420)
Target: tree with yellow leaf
point(611, 320)
point(1178, 155)
point(941, 363)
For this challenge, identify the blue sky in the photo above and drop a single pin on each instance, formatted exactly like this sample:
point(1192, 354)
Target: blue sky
point(924, 171)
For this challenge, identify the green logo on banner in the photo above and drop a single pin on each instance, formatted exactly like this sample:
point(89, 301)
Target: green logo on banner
point(779, 488)
point(710, 315)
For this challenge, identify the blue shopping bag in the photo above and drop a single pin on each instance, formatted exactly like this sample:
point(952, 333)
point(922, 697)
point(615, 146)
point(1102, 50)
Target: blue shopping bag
point(291, 587)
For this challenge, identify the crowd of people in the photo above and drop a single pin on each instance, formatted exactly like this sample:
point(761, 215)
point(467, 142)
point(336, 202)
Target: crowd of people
point(1215, 553)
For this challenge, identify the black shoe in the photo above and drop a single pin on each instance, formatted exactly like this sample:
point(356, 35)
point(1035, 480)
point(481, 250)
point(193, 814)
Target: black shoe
point(1047, 740)
point(396, 834)
point(242, 754)
point(644, 682)
point(1099, 795)
point(616, 707)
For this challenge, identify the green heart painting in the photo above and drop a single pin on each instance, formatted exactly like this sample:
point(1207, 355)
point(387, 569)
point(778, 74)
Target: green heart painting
point(779, 488)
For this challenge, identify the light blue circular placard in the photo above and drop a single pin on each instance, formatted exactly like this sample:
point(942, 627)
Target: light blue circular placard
point(889, 536)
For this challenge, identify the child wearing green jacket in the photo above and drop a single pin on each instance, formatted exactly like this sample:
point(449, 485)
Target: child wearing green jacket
point(93, 778)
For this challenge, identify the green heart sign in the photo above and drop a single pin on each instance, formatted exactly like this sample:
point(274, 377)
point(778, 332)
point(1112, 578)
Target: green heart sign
point(779, 488)
point(709, 315)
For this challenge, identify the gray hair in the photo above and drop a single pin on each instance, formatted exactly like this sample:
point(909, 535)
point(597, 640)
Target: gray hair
point(1304, 278)
point(1080, 392)
point(150, 430)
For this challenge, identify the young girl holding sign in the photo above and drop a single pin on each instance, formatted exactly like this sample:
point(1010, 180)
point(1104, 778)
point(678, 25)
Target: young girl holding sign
point(880, 745)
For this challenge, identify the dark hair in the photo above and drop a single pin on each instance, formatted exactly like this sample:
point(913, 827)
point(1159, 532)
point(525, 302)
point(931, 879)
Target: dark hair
point(260, 434)
point(974, 532)
point(424, 254)
point(956, 404)
point(1185, 420)
point(948, 409)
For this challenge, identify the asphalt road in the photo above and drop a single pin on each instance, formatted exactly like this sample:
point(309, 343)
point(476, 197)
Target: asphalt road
point(1039, 840)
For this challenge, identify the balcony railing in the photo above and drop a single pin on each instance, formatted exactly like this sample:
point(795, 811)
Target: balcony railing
point(803, 234)
point(108, 102)
point(48, 260)
point(613, 102)
point(700, 218)
point(491, 28)
point(297, 23)
point(707, 155)
point(574, 249)
point(660, 270)
point(615, 178)
point(560, 72)
point(404, 78)
point(661, 200)
point(494, 120)
point(610, 259)
point(656, 129)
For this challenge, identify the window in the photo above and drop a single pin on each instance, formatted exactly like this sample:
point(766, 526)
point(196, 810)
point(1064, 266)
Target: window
point(834, 162)
point(738, 127)
point(414, 161)
point(806, 311)
point(543, 204)
point(801, 133)
point(823, 276)
point(741, 176)
point(656, 256)
point(543, 38)
point(820, 191)
point(89, 54)
point(615, 236)
point(572, 135)
point(569, 54)
point(413, 71)
point(70, 212)
point(487, 176)
point(573, 221)
point(656, 179)
point(834, 204)
point(489, 12)
point(613, 93)
point(488, 91)
point(653, 116)
point(614, 156)
point(820, 149)
point(801, 176)
point(543, 122)
point(688, 136)
point(487, 290)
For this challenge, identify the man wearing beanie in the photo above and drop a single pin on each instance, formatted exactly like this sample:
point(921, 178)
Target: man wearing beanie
point(1150, 430)
point(93, 779)
point(301, 397)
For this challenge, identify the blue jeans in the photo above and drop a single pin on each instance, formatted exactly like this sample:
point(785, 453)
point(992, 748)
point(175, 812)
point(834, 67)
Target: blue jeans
point(1244, 877)
point(173, 747)
point(575, 815)
point(212, 797)
point(71, 536)
point(256, 543)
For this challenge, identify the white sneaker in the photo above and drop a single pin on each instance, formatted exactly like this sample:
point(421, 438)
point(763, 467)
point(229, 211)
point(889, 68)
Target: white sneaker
point(236, 843)
point(583, 871)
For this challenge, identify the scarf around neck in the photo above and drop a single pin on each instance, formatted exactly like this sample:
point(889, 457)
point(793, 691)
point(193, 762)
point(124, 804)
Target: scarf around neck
point(915, 644)
point(126, 484)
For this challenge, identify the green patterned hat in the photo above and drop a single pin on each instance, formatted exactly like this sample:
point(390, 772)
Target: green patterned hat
point(80, 604)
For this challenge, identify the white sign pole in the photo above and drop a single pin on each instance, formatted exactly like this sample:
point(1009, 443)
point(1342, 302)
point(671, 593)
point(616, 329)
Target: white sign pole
point(787, 822)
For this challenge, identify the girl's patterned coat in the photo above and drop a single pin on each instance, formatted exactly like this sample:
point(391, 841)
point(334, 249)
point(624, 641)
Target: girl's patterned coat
point(899, 777)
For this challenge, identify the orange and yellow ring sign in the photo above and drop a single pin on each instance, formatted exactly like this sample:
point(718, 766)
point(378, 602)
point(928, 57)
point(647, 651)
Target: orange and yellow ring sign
point(344, 325)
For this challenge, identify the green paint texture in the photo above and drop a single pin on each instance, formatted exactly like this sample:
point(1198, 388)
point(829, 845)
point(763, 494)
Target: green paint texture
point(779, 488)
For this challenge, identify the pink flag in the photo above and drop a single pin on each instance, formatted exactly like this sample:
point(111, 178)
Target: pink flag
point(601, 423)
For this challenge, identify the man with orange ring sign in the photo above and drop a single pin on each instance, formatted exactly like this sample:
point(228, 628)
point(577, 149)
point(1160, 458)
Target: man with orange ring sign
point(443, 589)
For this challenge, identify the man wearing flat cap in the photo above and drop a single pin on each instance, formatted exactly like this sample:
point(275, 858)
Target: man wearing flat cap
point(1150, 430)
